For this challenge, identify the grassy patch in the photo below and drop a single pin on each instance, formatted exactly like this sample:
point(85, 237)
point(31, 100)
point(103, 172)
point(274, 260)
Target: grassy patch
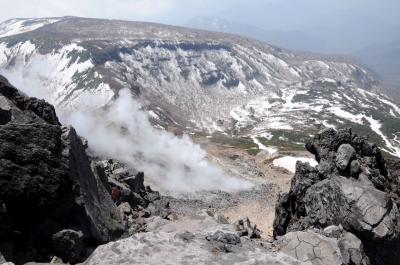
point(243, 143)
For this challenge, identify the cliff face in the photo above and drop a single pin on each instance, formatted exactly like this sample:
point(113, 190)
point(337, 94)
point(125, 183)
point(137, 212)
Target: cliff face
point(46, 183)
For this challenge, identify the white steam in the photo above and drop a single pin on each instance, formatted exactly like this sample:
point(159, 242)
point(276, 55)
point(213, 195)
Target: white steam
point(122, 130)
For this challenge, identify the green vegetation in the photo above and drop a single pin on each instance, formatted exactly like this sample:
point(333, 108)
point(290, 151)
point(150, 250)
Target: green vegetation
point(243, 143)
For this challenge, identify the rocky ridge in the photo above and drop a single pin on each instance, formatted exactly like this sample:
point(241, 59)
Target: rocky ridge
point(54, 199)
point(353, 187)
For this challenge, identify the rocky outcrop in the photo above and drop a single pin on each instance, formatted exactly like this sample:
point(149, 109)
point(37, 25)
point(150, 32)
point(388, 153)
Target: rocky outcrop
point(135, 201)
point(47, 185)
point(352, 186)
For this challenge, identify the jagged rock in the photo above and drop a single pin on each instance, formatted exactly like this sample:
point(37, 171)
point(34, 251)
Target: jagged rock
point(317, 249)
point(68, 244)
point(2, 259)
point(245, 228)
point(222, 241)
point(46, 183)
point(125, 208)
point(366, 205)
point(126, 184)
point(102, 220)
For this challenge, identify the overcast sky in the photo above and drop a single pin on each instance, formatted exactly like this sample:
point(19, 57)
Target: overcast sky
point(344, 24)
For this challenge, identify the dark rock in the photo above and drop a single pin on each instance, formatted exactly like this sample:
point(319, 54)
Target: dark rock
point(102, 221)
point(5, 111)
point(223, 242)
point(185, 236)
point(68, 245)
point(45, 175)
point(245, 228)
point(367, 205)
point(355, 168)
point(136, 183)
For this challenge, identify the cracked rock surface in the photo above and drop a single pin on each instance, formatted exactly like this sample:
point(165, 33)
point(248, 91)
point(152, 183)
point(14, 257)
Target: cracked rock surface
point(352, 186)
point(319, 248)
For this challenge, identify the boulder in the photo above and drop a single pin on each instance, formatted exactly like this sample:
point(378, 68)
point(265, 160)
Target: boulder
point(344, 155)
point(222, 241)
point(318, 249)
point(245, 228)
point(367, 205)
point(68, 244)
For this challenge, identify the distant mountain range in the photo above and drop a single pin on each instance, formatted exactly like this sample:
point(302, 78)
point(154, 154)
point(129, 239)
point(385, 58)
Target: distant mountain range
point(383, 58)
point(294, 40)
point(200, 82)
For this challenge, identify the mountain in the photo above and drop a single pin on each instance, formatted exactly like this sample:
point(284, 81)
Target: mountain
point(384, 59)
point(294, 39)
point(213, 84)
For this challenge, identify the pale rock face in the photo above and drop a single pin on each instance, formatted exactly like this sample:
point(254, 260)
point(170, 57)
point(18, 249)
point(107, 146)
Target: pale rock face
point(194, 240)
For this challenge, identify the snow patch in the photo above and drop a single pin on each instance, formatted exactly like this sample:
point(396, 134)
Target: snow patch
point(18, 26)
point(289, 162)
point(270, 150)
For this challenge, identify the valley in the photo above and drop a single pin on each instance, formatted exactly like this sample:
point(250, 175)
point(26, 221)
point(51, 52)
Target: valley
point(242, 144)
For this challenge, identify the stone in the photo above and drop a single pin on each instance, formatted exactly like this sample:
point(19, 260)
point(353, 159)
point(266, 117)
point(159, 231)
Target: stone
point(124, 208)
point(355, 168)
point(367, 204)
point(318, 249)
point(185, 236)
point(245, 228)
point(68, 245)
point(344, 155)
point(222, 241)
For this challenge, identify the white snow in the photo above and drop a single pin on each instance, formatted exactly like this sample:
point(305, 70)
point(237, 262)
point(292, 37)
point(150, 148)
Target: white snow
point(270, 150)
point(50, 76)
point(16, 26)
point(328, 125)
point(376, 127)
point(153, 115)
point(346, 115)
point(289, 162)
point(348, 98)
point(387, 102)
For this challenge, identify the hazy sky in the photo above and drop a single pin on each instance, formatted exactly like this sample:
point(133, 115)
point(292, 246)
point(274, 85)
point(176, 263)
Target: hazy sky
point(345, 25)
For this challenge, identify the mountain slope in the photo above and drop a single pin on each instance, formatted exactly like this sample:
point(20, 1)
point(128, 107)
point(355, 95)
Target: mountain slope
point(200, 81)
